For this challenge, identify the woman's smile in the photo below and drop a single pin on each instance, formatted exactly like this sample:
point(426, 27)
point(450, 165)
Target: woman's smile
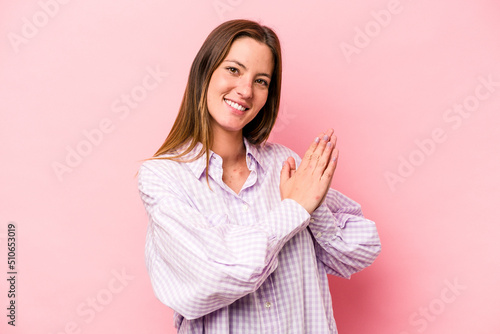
point(235, 105)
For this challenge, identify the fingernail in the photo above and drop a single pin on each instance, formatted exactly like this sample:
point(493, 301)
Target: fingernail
point(329, 144)
point(316, 140)
point(334, 158)
point(325, 138)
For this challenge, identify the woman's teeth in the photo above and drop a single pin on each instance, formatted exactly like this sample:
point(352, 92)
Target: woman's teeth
point(235, 105)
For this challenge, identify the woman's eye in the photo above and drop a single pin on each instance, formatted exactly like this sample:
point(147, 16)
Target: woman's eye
point(232, 70)
point(262, 82)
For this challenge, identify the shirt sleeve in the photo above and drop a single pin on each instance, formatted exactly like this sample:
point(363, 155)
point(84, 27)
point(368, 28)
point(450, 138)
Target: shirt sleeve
point(345, 241)
point(199, 264)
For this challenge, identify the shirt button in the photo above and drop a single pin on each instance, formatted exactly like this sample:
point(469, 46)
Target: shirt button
point(319, 235)
point(245, 207)
point(311, 220)
point(268, 304)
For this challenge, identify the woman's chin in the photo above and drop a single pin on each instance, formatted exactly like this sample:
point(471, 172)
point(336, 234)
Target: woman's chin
point(230, 129)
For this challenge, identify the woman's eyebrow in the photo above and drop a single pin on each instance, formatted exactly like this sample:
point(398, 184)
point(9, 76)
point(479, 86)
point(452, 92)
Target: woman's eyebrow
point(244, 67)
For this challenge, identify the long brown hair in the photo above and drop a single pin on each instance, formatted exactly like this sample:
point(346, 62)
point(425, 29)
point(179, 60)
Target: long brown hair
point(193, 121)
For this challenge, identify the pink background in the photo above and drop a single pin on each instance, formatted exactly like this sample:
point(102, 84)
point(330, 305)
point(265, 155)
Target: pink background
point(389, 76)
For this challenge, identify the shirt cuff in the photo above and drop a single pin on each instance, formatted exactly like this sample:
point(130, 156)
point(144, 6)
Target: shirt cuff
point(324, 225)
point(287, 219)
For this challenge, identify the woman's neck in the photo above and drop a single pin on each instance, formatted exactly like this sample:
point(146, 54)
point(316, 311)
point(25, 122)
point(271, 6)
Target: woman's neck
point(229, 146)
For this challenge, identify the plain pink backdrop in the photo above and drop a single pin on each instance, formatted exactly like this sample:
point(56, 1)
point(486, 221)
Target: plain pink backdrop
point(89, 88)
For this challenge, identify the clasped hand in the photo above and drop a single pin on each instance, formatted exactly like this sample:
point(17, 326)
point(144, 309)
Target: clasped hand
point(309, 183)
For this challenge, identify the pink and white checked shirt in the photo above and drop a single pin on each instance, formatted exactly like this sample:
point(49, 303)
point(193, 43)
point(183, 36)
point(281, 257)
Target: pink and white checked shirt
point(248, 262)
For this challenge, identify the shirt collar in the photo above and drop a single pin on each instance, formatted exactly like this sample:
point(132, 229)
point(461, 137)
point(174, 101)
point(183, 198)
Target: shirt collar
point(199, 165)
point(254, 152)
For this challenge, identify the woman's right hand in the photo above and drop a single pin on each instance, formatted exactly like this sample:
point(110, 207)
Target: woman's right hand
point(309, 184)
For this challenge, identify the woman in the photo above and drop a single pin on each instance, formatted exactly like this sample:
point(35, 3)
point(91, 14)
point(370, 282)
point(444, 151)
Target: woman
point(239, 239)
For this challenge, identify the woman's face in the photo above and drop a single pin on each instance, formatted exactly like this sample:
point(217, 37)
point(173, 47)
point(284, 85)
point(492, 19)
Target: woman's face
point(239, 86)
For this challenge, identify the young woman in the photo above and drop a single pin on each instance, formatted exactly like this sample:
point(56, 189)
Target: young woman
point(241, 234)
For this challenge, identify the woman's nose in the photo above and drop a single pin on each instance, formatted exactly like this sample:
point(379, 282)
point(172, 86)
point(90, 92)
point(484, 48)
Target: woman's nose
point(245, 88)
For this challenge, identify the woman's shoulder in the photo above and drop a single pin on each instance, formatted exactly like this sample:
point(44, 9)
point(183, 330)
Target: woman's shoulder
point(277, 150)
point(161, 166)
point(173, 159)
point(158, 162)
